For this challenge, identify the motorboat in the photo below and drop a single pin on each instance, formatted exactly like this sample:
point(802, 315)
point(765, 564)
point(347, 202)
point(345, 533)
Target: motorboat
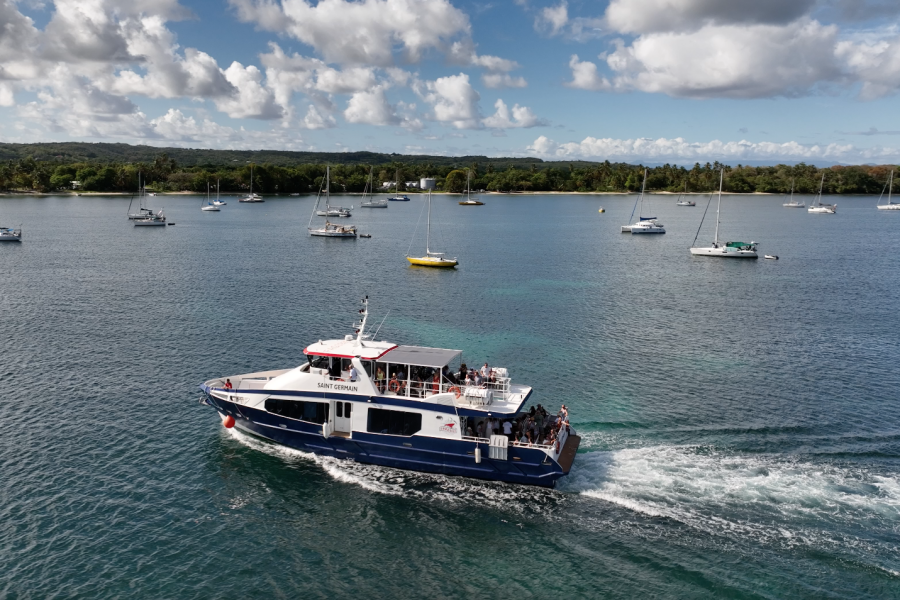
point(793, 203)
point(431, 259)
point(398, 406)
point(771, 257)
point(470, 201)
point(643, 224)
point(155, 220)
point(329, 229)
point(399, 198)
point(10, 234)
point(817, 207)
point(722, 249)
point(890, 205)
point(251, 197)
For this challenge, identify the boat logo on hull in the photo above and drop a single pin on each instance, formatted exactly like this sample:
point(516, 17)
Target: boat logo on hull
point(447, 427)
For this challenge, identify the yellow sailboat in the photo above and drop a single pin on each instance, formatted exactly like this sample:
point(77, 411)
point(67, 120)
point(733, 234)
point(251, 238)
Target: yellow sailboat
point(431, 259)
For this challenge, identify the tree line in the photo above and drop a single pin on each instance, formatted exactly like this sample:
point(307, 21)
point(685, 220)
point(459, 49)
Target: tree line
point(164, 174)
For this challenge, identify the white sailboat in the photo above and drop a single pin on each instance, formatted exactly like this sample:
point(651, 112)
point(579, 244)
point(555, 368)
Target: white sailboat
point(217, 201)
point(251, 197)
point(723, 249)
point(817, 207)
point(682, 201)
point(10, 234)
point(431, 259)
point(156, 219)
point(397, 197)
point(209, 206)
point(371, 202)
point(329, 229)
point(794, 203)
point(644, 224)
point(890, 205)
point(470, 201)
point(142, 212)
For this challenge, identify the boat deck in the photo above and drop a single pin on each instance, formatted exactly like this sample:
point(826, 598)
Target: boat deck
point(567, 456)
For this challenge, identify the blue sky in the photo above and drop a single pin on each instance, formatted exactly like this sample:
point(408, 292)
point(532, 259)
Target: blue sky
point(626, 80)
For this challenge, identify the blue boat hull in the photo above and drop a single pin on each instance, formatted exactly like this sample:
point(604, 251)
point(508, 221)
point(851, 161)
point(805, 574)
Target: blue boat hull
point(528, 466)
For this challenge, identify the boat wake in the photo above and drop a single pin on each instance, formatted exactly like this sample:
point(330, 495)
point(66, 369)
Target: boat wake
point(774, 500)
point(426, 486)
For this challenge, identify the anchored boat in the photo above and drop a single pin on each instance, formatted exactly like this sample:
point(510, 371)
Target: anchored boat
point(380, 403)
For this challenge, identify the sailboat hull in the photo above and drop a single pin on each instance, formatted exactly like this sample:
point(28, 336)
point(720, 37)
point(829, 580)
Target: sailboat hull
point(432, 261)
point(889, 207)
point(722, 252)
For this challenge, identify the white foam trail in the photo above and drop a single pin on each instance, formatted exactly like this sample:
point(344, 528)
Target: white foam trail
point(773, 499)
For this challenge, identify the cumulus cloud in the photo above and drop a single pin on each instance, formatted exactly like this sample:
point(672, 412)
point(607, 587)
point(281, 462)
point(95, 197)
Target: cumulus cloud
point(647, 16)
point(663, 149)
point(453, 100)
point(519, 117)
point(371, 108)
point(585, 76)
point(552, 19)
point(315, 119)
point(364, 32)
point(498, 81)
point(251, 99)
point(874, 62)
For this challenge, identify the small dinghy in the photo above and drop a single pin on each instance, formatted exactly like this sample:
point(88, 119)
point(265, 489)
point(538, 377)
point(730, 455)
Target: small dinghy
point(365, 235)
point(602, 210)
point(771, 257)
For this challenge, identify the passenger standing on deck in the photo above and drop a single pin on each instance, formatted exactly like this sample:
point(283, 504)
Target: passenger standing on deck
point(353, 373)
point(379, 379)
point(508, 429)
point(485, 371)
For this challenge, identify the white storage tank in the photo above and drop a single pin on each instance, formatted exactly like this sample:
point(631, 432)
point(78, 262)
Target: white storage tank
point(428, 183)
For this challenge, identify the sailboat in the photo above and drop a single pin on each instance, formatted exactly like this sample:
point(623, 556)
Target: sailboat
point(10, 234)
point(890, 205)
point(817, 207)
point(470, 201)
point(794, 203)
point(371, 202)
point(218, 202)
point(251, 197)
point(644, 224)
point(142, 212)
point(397, 197)
point(330, 229)
point(208, 206)
point(682, 201)
point(431, 259)
point(723, 249)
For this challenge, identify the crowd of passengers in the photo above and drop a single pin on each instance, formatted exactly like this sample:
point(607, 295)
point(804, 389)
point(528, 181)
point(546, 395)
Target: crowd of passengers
point(427, 380)
point(533, 427)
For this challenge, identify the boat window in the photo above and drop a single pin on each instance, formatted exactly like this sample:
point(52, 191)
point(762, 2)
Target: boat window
point(339, 410)
point(345, 364)
point(311, 412)
point(317, 362)
point(393, 422)
point(367, 365)
point(347, 406)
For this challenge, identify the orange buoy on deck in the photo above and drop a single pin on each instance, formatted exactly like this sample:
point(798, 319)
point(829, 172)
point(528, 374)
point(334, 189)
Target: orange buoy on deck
point(228, 422)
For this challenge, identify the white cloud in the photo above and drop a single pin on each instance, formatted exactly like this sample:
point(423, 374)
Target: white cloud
point(647, 16)
point(251, 99)
point(348, 81)
point(520, 117)
point(363, 32)
point(316, 120)
point(875, 62)
point(453, 100)
point(552, 19)
point(663, 149)
point(371, 108)
point(174, 126)
point(585, 76)
point(498, 81)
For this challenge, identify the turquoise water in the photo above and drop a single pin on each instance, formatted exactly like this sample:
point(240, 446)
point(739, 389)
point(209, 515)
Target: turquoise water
point(740, 420)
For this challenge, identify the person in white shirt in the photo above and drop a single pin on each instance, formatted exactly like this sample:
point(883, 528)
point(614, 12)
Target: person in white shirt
point(485, 371)
point(507, 429)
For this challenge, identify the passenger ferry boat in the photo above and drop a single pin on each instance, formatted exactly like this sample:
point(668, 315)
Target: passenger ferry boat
point(379, 403)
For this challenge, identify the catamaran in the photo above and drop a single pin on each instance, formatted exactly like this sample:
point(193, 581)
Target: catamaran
point(890, 205)
point(330, 229)
point(404, 407)
point(723, 249)
point(431, 259)
point(817, 207)
point(644, 224)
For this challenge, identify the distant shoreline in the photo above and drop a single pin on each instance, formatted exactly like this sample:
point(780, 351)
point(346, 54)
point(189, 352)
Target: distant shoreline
point(413, 194)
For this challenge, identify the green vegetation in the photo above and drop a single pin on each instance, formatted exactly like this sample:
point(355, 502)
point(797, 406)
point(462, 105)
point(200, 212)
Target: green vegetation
point(115, 168)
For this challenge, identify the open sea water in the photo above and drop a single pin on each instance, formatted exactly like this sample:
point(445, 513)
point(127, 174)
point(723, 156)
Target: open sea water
point(740, 420)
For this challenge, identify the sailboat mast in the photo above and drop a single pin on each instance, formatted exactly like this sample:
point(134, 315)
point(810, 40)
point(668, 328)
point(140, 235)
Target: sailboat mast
point(327, 189)
point(890, 186)
point(428, 227)
point(719, 205)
